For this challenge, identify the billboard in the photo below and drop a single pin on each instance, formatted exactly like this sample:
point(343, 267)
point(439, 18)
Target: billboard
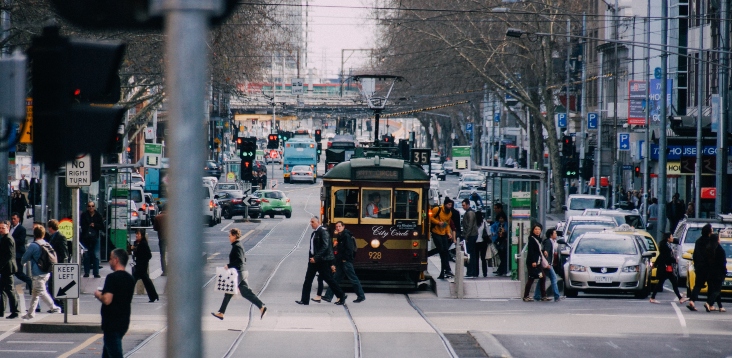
point(636, 102)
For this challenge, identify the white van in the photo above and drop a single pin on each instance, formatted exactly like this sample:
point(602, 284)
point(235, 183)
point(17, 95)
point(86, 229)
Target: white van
point(577, 203)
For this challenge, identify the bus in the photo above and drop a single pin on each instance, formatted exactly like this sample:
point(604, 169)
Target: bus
point(299, 151)
point(384, 203)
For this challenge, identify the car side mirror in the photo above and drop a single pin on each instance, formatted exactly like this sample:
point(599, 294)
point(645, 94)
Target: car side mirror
point(649, 254)
point(564, 207)
point(564, 252)
point(562, 241)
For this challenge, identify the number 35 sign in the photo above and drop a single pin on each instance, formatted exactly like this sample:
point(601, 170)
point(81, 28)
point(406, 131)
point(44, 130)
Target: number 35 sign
point(421, 156)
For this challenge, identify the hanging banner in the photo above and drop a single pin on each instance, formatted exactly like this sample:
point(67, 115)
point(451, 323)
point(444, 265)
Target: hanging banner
point(636, 102)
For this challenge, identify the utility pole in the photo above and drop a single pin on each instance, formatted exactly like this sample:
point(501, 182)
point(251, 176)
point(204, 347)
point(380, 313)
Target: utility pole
point(583, 131)
point(4, 182)
point(567, 68)
point(699, 110)
point(598, 148)
point(662, 145)
point(724, 29)
point(615, 182)
point(647, 142)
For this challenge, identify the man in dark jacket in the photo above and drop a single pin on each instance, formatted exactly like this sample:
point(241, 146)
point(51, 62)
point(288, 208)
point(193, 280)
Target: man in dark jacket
point(321, 254)
point(701, 266)
point(675, 211)
point(18, 232)
point(8, 267)
point(344, 262)
point(92, 225)
point(470, 230)
point(59, 243)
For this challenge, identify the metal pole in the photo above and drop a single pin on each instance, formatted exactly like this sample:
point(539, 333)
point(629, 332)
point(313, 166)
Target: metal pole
point(616, 153)
point(647, 142)
point(4, 180)
point(376, 127)
point(583, 131)
point(75, 257)
point(720, 176)
point(44, 194)
point(699, 109)
point(598, 147)
point(459, 267)
point(662, 145)
point(186, 30)
point(567, 78)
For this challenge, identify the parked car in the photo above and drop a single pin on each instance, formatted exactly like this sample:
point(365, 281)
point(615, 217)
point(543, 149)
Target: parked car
point(577, 203)
point(234, 203)
point(449, 167)
point(302, 173)
point(211, 207)
point(607, 262)
point(274, 202)
point(212, 169)
point(687, 231)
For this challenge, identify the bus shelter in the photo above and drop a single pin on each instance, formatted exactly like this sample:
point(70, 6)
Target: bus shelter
point(520, 192)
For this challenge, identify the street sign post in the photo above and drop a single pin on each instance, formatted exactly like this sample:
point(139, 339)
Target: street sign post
point(66, 282)
point(153, 154)
point(78, 171)
point(623, 141)
point(592, 120)
point(297, 84)
point(562, 120)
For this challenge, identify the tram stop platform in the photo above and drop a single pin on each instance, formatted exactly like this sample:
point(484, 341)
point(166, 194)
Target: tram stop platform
point(491, 287)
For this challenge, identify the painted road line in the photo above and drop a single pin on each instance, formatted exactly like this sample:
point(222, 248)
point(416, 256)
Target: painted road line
point(83, 345)
point(682, 321)
point(227, 225)
point(9, 332)
point(38, 342)
point(26, 351)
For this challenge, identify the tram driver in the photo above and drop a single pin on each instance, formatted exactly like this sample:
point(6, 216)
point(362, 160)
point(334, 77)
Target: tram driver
point(375, 208)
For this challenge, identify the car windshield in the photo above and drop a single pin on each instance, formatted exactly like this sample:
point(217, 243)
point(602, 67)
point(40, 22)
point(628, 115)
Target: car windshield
point(648, 243)
point(300, 168)
point(586, 203)
point(603, 246)
point(472, 178)
point(579, 230)
point(694, 233)
point(599, 223)
point(227, 187)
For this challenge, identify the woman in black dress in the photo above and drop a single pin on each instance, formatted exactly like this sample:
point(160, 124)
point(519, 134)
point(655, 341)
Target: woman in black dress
point(533, 263)
point(665, 268)
point(142, 255)
point(238, 261)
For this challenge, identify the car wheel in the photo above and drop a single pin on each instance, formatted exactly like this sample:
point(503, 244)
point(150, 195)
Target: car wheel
point(271, 216)
point(226, 214)
point(570, 293)
point(288, 215)
point(212, 222)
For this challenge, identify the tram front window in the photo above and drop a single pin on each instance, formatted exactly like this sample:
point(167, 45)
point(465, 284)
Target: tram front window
point(377, 204)
point(407, 204)
point(346, 203)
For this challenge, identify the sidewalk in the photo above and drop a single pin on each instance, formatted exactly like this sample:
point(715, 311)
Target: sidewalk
point(491, 287)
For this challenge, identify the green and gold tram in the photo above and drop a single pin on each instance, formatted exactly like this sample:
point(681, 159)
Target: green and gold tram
point(384, 203)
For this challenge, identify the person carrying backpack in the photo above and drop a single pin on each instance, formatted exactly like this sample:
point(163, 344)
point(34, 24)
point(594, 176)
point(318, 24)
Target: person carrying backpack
point(345, 252)
point(41, 256)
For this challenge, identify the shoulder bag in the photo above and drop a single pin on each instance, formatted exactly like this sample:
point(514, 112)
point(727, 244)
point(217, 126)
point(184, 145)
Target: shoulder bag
point(543, 262)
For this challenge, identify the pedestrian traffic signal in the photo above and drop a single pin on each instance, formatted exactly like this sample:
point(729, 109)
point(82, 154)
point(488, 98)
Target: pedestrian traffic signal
point(320, 150)
point(246, 170)
point(318, 136)
point(247, 148)
point(273, 141)
point(75, 86)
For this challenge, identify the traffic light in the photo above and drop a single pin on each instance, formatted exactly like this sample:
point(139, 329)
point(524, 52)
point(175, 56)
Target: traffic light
point(75, 86)
point(246, 170)
point(320, 150)
point(273, 141)
point(387, 139)
point(570, 168)
point(247, 148)
point(637, 171)
point(567, 147)
point(318, 135)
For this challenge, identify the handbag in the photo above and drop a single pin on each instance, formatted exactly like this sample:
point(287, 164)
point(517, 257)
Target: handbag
point(669, 268)
point(227, 281)
point(542, 261)
point(486, 236)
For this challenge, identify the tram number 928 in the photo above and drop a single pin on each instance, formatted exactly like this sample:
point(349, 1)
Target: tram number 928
point(375, 255)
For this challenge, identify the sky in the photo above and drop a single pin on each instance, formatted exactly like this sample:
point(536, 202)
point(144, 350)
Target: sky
point(346, 26)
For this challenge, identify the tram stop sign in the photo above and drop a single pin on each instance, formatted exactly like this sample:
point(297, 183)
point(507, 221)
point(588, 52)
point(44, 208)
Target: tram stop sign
point(66, 280)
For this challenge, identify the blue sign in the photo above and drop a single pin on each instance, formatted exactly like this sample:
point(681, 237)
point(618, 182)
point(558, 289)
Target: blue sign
point(592, 120)
point(676, 152)
point(657, 73)
point(469, 127)
point(627, 167)
point(624, 141)
point(655, 100)
point(497, 118)
point(562, 120)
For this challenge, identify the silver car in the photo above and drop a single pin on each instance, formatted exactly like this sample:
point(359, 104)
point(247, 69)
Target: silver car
point(302, 173)
point(607, 262)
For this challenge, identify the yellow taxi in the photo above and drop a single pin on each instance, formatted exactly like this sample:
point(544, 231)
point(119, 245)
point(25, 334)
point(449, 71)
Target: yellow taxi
point(725, 240)
point(647, 240)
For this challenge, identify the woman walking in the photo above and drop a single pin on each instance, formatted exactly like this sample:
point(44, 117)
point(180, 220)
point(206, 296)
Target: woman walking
point(717, 258)
point(483, 242)
point(142, 255)
point(238, 261)
point(665, 268)
point(533, 261)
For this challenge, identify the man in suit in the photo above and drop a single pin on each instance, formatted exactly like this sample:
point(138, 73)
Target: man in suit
point(321, 258)
point(18, 232)
point(8, 267)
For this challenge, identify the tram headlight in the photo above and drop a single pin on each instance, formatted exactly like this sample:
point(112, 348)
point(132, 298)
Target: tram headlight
point(414, 233)
point(375, 243)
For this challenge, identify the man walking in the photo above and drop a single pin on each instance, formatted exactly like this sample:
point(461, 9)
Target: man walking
point(470, 233)
point(321, 256)
point(40, 274)
point(91, 225)
point(344, 262)
point(8, 266)
point(59, 243)
point(675, 211)
point(440, 220)
point(116, 298)
point(701, 265)
point(498, 230)
point(18, 232)
point(549, 249)
point(159, 227)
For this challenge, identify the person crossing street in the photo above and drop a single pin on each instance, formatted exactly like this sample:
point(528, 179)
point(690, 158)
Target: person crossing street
point(346, 250)
point(320, 257)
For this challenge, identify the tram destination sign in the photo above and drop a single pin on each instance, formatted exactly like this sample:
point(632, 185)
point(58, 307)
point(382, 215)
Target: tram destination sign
point(406, 224)
point(389, 174)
